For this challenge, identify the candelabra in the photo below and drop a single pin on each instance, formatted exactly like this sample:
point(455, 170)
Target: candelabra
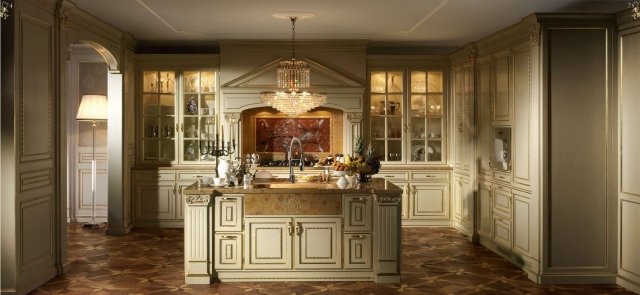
point(217, 149)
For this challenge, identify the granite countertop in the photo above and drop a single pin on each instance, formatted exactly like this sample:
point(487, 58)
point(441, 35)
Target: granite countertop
point(376, 186)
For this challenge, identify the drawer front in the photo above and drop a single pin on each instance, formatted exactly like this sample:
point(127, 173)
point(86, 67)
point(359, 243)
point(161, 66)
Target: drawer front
point(502, 200)
point(194, 175)
point(504, 177)
point(392, 175)
point(228, 251)
point(150, 176)
point(357, 209)
point(502, 231)
point(358, 251)
point(434, 176)
point(228, 213)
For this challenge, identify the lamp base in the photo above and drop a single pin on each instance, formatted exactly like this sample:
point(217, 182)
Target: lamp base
point(91, 225)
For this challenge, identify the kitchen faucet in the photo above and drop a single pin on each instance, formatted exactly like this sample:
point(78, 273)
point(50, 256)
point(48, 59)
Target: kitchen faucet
point(292, 177)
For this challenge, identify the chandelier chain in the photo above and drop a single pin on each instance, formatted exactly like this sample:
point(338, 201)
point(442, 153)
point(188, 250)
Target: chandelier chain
point(293, 37)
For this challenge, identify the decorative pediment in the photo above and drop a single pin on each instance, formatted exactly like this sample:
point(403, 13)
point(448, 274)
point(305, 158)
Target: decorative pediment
point(265, 77)
point(244, 92)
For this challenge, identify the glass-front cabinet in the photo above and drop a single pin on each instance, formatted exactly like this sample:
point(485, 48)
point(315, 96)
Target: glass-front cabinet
point(178, 116)
point(407, 115)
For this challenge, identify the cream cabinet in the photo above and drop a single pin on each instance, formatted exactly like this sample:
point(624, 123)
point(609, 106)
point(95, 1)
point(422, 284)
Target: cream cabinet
point(429, 201)
point(157, 197)
point(503, 99)
point(300, 243)
point(228, 213)
point(463, 215)
point(357, 248)
point(358, 213)
point(407, 115)
point(484, 211)
point(227, 249)
point(426, 198)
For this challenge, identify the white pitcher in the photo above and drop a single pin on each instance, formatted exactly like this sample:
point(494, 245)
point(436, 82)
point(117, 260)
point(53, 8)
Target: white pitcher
point(224, 166)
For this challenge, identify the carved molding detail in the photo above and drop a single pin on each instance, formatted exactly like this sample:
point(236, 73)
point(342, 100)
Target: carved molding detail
point(473, 53)
point(388, 199)
point(354, 117)
point(63, 18)
point(534, 33)
point(232, 118)
point(198, 199)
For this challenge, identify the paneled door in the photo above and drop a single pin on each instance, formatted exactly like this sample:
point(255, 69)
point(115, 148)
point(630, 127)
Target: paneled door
point(318, 243)
point(269, 243)
point(87, 75)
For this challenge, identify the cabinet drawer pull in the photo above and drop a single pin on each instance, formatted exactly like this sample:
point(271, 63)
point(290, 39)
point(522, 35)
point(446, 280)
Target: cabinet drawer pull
point(298, 229)
point(289, 229)
point(430, 176)
point(389, 176)
point(229, 237)
point(181, 127)
point(360, 237)
point(228, 199)
point(360, 199)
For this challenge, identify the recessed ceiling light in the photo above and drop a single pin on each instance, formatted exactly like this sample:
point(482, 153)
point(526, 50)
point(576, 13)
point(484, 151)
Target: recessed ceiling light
point(289, 14)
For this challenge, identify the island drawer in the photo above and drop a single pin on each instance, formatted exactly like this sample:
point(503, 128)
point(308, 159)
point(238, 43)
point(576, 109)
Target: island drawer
point(228, 214)
point(228, 251)
point(358, 213)
point(435, 176)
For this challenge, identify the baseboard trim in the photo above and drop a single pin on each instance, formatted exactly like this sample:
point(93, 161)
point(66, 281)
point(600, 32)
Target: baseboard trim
point(426, 223)
point(574, 278)
point(628, 284)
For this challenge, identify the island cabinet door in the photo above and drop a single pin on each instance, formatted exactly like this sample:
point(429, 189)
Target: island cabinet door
point(357, 249)
point(357, 209)
point(318, 243)
point(228, 213)
point(227, 249)
point(268, 244)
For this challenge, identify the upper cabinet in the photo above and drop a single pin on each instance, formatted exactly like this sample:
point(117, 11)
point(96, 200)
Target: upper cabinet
point(407, 115)
point(503, 100)
point(176, 113)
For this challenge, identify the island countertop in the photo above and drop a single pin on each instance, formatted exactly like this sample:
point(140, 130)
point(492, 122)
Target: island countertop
point(376, 186)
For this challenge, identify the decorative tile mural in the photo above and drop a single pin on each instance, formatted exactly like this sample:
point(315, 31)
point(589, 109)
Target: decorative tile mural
point(274, 134)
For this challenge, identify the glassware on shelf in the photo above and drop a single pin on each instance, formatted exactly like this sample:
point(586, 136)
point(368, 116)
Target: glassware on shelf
point(192, 105)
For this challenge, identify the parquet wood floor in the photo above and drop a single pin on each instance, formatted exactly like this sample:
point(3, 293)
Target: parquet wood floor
point(150, 261)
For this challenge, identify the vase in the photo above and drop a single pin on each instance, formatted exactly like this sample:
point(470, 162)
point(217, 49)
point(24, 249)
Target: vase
point(364, 177)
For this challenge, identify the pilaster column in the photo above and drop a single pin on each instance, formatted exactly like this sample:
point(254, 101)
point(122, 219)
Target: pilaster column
point(198, 264)
point(352, 129)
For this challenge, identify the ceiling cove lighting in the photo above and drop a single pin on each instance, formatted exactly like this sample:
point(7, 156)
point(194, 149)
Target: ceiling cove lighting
point(292, 97)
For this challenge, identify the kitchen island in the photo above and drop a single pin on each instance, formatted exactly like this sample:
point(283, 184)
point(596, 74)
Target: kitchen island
point(304, 231)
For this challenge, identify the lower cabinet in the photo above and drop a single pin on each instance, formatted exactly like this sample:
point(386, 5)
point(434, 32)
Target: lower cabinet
point(485, 218)
point(301, 243)
point(463, 204)
point(228, 255)
point(358, 252)
point(429, 201)
point(157, 196)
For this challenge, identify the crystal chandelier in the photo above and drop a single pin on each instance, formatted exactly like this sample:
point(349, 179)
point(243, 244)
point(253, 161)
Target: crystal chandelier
point(293, 78)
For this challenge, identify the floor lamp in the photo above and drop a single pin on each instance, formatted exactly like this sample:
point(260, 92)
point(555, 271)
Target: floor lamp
point(93, 108)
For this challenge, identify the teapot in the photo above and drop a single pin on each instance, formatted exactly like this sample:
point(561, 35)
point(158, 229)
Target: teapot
point(227, 166)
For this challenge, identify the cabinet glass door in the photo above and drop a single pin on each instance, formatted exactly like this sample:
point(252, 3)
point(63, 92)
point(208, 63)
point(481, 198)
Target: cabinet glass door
point(198, 105)
point(158, 116)
point(387, 96)
point(426, 109)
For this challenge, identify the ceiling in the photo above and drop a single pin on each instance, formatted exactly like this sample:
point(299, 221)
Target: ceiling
point(431, 23)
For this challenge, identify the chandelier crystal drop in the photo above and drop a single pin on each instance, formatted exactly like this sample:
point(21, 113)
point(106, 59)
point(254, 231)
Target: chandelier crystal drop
point(292, 98)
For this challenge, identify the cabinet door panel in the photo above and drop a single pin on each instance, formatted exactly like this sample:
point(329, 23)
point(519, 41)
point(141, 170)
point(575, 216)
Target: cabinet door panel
point(357, 249)
point(430, 201)
point(502, 232)
point(318, 243)
point(522, 117)
point(484, 116)
point(269, 243)
point(227, 249)
point(358, 214)
point(502, 97)
point(485, 218)
point(155, 201)
point(522, 226)
point(228, 213)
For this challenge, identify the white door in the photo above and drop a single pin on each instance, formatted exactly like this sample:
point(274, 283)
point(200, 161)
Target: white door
point(87, 75)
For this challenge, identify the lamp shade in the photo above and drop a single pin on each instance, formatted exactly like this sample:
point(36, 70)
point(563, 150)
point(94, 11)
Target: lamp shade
point(92, 107)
